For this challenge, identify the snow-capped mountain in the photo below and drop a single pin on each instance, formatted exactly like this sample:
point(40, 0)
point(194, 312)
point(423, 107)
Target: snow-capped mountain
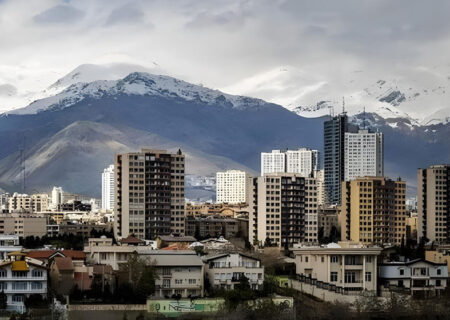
point(137, 83)
point(421, 98)
point(20, 93)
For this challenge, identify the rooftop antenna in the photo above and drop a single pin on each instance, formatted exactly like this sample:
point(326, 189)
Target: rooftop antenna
point(364, 118)
point(331, 108)
point(343, 105)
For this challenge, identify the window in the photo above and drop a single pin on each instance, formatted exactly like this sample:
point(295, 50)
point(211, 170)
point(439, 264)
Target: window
point(350, 277)
point(36, 285)
point(166, 272)
point(400, 283)
point(369, 276)
point(333, 276)
point(438, 283)
point(18, 298)
point(322, 259)
point(368, 259)
point(37, 273)
point(402, 272)
point(19, 274)
point(306, 259)
point(334, 259)
point(438, 271)
point(178, 281)
point(19, 286)
point(3, 285)
point(192, 281)
point(166, 283)
point(3, 273)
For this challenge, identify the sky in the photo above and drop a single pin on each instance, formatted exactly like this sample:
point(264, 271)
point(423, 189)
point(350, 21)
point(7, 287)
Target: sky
point(290, 52)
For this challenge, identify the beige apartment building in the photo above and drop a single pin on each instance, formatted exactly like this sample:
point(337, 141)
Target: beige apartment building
point(373, 211)
point(26, 203)
point(284, 210)
point(328, 217)
point(149, 194)
point(433, 203)
point(347, 266)
point(23, 224)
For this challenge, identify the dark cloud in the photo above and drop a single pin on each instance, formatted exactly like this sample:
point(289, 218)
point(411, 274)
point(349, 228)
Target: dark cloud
point(59, 14)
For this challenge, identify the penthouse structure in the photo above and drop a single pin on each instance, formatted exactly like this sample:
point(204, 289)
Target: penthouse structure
point(302, 161)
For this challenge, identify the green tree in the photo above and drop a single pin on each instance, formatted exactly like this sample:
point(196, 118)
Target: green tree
point(146, 285)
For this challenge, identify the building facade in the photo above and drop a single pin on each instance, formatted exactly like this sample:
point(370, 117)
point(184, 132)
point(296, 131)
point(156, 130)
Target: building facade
point(414, 277)
point(26, 203)
point(363, 155)
point(373, 211)
point(231, 186)
point(284, 210)
point(108, 188)
point(346, 266)
point(302, 161)
point(226, 270)
point(23, 225)
point(433, 203)
point(149, 194)
point(333, 161)
point(21, 277)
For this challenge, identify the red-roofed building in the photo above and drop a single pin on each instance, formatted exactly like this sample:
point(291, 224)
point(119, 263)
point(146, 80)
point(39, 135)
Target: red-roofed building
point(47, 256)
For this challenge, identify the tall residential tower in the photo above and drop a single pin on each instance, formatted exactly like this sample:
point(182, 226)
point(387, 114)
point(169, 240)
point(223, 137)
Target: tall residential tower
point(108, 188)
point(149, 194)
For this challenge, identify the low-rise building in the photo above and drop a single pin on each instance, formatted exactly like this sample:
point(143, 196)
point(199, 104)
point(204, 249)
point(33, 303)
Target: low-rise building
point(205, 227)
point(8, 244)
point(21, 277)
point(416, 277)
point(26, 203)
point(226, 270)
point(47, 256)
point(439, 255)
point(23, 224)
point(180, 273)
point(343, 267)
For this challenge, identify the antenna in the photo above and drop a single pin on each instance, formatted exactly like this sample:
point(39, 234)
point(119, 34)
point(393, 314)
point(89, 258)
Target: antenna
point(364, 118)
point(343, 105)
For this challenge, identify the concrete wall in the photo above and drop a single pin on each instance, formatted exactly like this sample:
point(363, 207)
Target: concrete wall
point(322, 294)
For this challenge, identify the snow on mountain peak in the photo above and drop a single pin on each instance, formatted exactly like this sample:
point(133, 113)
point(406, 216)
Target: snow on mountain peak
point(138, 83)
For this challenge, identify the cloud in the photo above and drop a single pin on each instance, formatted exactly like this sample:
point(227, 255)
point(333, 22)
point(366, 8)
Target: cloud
point(127, 14)
point(59, 14)
point(7, 90)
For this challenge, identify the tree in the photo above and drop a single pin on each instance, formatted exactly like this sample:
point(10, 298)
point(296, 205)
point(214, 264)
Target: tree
point(146, 285)
point(132, 270)
point(3, 300)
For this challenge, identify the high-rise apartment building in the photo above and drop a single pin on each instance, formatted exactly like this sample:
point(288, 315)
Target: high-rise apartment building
point(373, 211)
point(284, 210)
point(363, 155)
point(333, 160)
point(433, 203)
point(149, 194)
point(321, 192)
point(302, 161)
point(231, 186)
point(108, 188)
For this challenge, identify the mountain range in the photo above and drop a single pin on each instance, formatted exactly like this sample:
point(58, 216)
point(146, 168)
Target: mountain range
point(69, 135)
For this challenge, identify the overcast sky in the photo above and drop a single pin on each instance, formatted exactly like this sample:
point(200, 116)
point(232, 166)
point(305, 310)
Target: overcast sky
point(223, 42)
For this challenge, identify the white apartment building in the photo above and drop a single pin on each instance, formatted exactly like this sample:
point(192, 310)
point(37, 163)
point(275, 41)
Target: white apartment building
point(108, 188)
point(302, 161)
point(225, 270)
point(414, 277)
point(272, 162)
point(21, 277)
point(231, 186)
point(57, 197)
point(321, 194)
point(346, 266)
point(363, 155)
